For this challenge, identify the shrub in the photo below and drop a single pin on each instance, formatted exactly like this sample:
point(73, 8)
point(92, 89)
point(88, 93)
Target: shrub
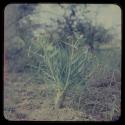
point(63, 66)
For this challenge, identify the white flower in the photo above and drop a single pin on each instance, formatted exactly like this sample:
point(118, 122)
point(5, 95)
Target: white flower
point(81, 36)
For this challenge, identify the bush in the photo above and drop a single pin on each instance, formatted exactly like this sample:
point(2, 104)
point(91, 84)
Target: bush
point(63, 66)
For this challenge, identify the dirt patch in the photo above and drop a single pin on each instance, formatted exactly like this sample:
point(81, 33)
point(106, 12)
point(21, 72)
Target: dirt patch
point(25, 100)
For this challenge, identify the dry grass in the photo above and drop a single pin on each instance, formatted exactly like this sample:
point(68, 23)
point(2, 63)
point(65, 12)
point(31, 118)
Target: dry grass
point(25, 100)
point(28, 101)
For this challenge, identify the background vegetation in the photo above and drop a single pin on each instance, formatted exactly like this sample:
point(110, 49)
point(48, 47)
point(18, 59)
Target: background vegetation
point(62, 62)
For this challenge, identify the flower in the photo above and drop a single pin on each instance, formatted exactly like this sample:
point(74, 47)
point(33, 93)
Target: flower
point(81, 36)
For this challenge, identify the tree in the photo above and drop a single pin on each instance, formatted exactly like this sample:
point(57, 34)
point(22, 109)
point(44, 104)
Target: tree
point(74, 21)
point(92, 33)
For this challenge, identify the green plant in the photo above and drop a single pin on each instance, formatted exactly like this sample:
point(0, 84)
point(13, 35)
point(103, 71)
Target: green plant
point(63, 66)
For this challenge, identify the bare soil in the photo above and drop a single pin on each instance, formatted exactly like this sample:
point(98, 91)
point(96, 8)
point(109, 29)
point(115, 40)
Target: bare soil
point(30, 101)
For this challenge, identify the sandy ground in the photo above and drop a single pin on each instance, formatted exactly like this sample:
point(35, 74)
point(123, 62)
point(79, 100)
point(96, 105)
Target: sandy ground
point(25, 100)
point(29, 101)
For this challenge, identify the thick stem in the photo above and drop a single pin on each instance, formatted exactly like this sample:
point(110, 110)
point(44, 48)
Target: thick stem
point(60, 99)
point(61, 94)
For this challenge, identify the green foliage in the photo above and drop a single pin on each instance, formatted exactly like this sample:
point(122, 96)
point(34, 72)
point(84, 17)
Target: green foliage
point(63, 66)
point(61, 57)
point(16, 45)
point(16, 56)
